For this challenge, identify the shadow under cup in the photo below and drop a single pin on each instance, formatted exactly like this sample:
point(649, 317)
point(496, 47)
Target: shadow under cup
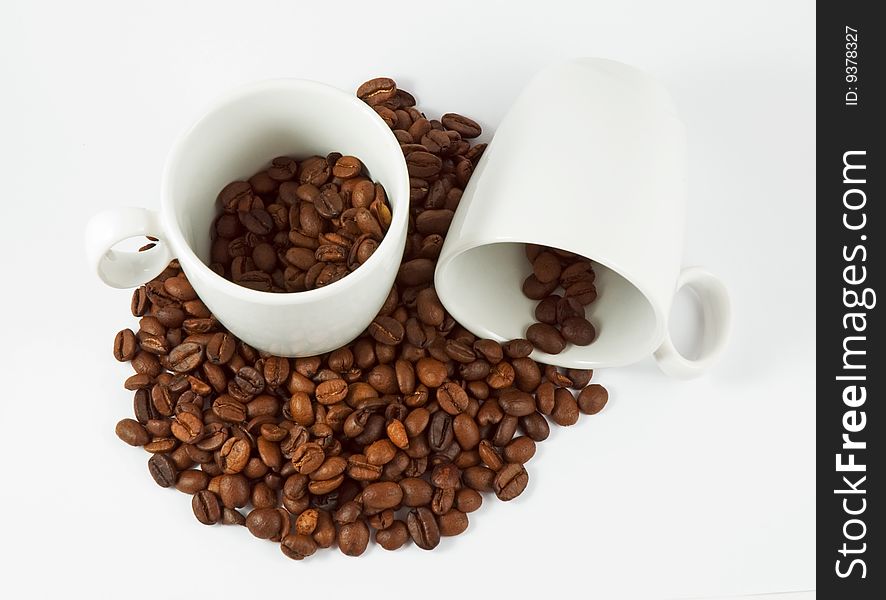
point(491, 304)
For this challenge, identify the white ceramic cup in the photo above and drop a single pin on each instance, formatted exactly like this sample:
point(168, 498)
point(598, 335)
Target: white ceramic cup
point(236, 137)
point(590, 159)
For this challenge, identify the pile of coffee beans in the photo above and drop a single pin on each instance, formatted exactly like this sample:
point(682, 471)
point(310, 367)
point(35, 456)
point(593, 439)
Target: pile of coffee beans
point(560, 317)
point(397, 436)
point(297, 226)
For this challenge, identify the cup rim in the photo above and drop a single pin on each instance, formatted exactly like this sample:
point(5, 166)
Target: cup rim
point(179, 246)
point(447, 257)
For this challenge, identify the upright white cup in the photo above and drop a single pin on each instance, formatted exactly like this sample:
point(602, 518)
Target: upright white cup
point(590, 159)
point(235, 138)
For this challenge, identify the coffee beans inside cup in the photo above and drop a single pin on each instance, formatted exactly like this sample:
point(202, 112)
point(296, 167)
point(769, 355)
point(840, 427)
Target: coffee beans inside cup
point(560, 316)
point(299, 225)
point(398, 436)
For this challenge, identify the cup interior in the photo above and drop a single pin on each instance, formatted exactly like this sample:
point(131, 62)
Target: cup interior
point(487, 280)
point(247, 129)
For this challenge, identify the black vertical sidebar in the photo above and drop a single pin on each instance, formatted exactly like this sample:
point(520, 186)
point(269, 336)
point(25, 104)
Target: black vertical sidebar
point(851, 225)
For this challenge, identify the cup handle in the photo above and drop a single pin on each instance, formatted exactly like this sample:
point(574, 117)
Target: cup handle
point(125, 269)
point(716, 311)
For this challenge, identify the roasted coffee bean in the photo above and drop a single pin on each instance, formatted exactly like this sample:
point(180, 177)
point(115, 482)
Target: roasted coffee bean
point(535, 426)
point(592, 399)
point(516, 403)
point(536, 290)
point(185, 357)
point(353, 538)
point(162, 469)
point(393, 536)
point(579, 377)
point(377, 91)
point(206, 507)
point(298, 546)
point(519, 450)
point(265, 523)
point(452, 522)
point(187, 427)
point(191, 481)
point(510, 481)
point(423, 529)
point(452, 398)
point(466, 127)
point(565, 408)
point(125, 345)
point(440, 431)
point(578, 331)
point(233, 455)
point(546, 338)
point(468, 500)
point(132, 432)
point(546, 310)
point(386, 330)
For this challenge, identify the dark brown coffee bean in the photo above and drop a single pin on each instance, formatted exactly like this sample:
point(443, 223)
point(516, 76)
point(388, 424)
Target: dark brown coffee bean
point(377, 91)
point(468, 500)
point(431, 372)
point(187, 427)
point(578, 331)
point(546, 338)
point(546, 268)
point(265, 523)
point(418, 271)
point(191, 481)
point(510, 481)
point(132, 432)
point(592, 399)
point(185, 357)
point(565, 408)
point(466, 431)
point(353, 538)
point(479, 478)
point(125, 345)
point(452, 398)
point(179, 288)
point(332, 391)
point(536, 290)
point(393, 536)
point(423, 529)
point(452, 522)
point(579, 377)
point(583, 291)
point(535, 426)
point(206, 507)
point(228, 409)
point(440, 431)
point(298, 546)
point(519, 450)
point(233, 455)
point(386, 330)
point(307, 458)
point(466, 127)
point(221, 348)
point(233, 490)
point(500, 376)
point(518, 348)
point(517, 403)
point(162, 469)
point(546, 310)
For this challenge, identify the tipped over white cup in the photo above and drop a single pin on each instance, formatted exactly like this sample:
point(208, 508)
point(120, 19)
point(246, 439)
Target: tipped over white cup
point(236, 137)
point(591, 159)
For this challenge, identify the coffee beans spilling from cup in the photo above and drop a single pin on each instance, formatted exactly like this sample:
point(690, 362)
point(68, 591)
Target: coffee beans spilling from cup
point(560, 317)
point(397, 436)
point(299, 225)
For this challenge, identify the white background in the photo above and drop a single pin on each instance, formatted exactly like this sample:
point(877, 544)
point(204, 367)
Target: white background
point(677, 490)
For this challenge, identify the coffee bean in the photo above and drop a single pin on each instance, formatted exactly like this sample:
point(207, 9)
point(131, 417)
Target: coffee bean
point(191, 481)
point(220, 349)
point(423, 529)
point(233, 455)
point(376, 91)
point(466, 127)
point(386, 330)
point(452, 522)
point(125, 345)
point(353, 538)
point(517, 403)
point(546, 310)
point(565, 408)
point(187, 427)
point(468, 500)
point(452, 398)
point(518, 348)
point(298, 546)
point(546, 338)
point(578, 331)
point(510, 481)
point(392, 537)
point(132, 432)
point(206, 507)
point(592, 399)
point(185, 357)
point(265, 523)
point(162, 469)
